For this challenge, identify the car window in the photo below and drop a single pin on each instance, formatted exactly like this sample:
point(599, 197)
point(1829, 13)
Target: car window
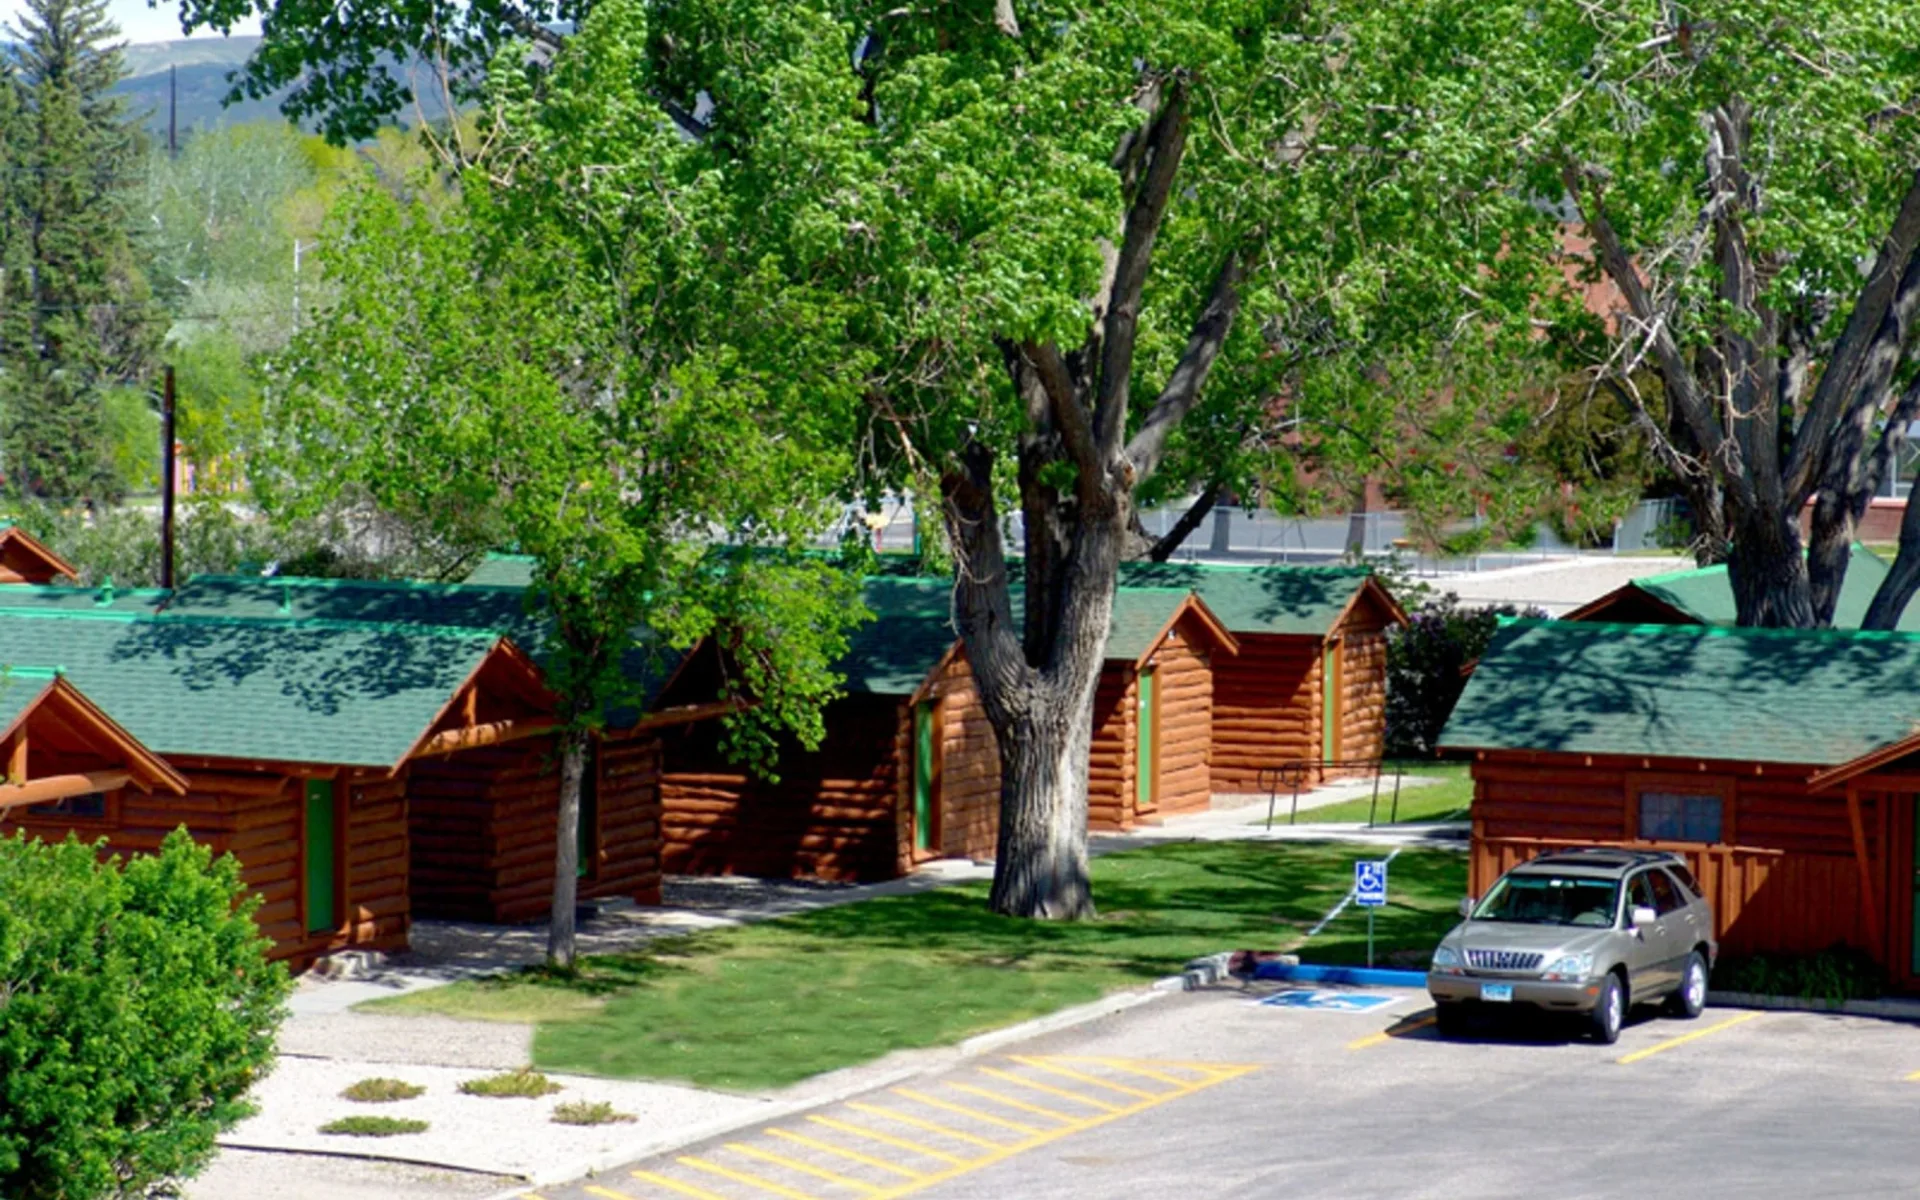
point(1640, 892)
point(1541, 899)
point(1667, 896)
point(1680, 872)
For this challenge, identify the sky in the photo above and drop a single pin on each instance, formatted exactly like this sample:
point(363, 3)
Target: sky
point(138, 22)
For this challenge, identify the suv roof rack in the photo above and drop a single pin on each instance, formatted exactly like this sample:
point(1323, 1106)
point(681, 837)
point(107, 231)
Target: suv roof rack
point(1603, 856)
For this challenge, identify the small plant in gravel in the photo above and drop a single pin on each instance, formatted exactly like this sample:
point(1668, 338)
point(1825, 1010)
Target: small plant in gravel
point(382, 1091)
point(373, 1126)
point(588, 1112)
point(525, 1082)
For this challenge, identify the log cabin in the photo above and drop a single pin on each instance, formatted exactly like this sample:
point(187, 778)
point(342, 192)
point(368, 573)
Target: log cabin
point(292, 738)
point(908, 770)
point(1784, 764)
point(483, 819)
point(1153, 709)
point(68, 762)
point(1309, 684)
point(26, 559)
point(1704, 596)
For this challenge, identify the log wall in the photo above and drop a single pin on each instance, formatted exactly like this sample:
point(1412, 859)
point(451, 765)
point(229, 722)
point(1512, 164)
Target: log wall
point(1786, 877)
point(833, 813)
point(1110, 766)
point(968, 784)
point(484, 824)
point(1363, 695)
point(258, 818)
point(1184, 683)
point(1266, 708)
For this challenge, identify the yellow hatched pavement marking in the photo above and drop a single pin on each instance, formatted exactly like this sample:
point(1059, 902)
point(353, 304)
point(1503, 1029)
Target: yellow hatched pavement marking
point(889, 1140)
point(843, 1152)
point(1054, 1068)
point(1130, 1067)
point(962, 1110)
point(1684, 1038)
point(1914, 1078)
point(1063, 1093)
point(888, 1114)
point(746, 1177)
point(672, 1185)
point(1216, 1074)
point(794, 1164)
point(1010, 1102)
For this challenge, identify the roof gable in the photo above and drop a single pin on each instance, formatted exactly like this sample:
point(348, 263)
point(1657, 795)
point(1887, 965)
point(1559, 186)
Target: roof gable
point(55, 743)
point(1818, 698)
point(1705, 595)
point(26, 559)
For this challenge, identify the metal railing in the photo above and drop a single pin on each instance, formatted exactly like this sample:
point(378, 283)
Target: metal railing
point(1292, 774)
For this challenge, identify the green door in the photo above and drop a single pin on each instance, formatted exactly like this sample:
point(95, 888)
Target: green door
point(923, 748)
point(587, 832)
point(323, 902)
point(1330, 703)
point(1146, 782)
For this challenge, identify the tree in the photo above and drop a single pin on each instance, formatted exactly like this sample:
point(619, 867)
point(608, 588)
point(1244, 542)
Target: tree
point(552, 363)
point(75, 315)
point(1745, 179)
point(140, 1010)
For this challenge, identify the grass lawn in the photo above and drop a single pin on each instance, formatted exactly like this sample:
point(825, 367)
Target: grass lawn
point(1423, 802)
point(769, 1004)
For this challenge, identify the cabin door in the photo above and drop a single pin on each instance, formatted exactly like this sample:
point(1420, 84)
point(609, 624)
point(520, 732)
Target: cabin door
point(1146, 753)
point(1330, 702)
point(322, 857)
point(926, 780)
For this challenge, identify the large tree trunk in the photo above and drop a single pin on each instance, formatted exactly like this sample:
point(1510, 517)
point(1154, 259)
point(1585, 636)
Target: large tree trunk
point(1769, 573)
point(566, 858)
point(1041, 866)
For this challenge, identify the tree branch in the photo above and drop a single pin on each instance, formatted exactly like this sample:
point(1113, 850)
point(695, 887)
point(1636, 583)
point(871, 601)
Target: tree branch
point(1161, 550)
point(983, 608)
point(1182, 391)
point(1004, 19)
point(1162, 150)
point(531, 29)
point(1070, 417)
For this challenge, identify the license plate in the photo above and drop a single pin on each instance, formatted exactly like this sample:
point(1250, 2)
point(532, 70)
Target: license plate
point(1497, 993)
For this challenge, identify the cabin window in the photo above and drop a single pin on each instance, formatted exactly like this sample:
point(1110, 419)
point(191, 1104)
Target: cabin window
point(92, 806)
point(1680, 816)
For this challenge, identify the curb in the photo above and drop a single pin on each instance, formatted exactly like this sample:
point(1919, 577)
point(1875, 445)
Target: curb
point(1351, 976)
point(973, 1047)
point(1900, 1010)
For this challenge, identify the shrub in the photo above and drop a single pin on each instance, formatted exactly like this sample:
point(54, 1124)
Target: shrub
point(373, 1126)
point(1836, 974)
point(382, 1091)
point(588, 1112)
point(1425, 664)
point(139, 1009)
point(525, 1083)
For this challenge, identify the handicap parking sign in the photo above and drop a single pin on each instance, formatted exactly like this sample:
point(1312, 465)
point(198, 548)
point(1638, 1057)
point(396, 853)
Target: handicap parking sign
point(1370, 883)
point(1324, 1000)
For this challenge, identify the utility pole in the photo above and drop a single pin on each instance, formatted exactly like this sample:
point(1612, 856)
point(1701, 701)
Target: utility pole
point(166, 480)
point(173, 110)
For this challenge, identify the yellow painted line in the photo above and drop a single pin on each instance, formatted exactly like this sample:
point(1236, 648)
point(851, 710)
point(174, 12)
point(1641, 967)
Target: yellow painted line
point(794, 1164)
point(1914, 1078)
point(973, 1114)
point(672, 1185)
point(1684, 1038)
point(1064, 1094)
point(1132, 1068)
point(888, 1114)
point(889, 1140)
point(1010, 1102)
point(843, 1152)
point(610, 1194)
point(1052, 1068)
point(1392, 1031)
point(1218, 1075)
point(746, 1177)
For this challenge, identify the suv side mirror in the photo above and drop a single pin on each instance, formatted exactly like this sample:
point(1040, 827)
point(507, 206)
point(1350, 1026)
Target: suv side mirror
point(1466, 906)
point(1643, 916)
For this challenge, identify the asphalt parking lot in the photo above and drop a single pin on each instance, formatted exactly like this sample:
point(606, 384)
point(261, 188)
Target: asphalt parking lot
point(1214, 1090)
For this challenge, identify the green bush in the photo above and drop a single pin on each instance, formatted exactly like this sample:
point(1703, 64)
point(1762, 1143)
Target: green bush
point(589, 1112)
point(137, 1008)
point(373, 1126)
point(1835, 975)
point(382, 1091)
point(521, 1084)
point(1426, 661)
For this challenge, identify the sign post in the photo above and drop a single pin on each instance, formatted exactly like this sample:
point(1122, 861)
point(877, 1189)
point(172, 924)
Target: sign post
point(1370, 892)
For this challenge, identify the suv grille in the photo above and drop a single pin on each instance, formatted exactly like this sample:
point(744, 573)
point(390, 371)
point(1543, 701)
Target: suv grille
point(1504, 960)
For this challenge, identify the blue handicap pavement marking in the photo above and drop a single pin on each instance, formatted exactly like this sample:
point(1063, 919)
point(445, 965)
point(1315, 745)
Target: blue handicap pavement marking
point(1370, 883)
point(1323, 1000)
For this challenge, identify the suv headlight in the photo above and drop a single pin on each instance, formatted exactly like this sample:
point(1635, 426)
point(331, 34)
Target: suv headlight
point(1446, 961)
point(1569, 967)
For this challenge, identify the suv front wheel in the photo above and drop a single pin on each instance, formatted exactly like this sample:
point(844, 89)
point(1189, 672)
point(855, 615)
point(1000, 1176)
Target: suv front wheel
point(1609, 1011)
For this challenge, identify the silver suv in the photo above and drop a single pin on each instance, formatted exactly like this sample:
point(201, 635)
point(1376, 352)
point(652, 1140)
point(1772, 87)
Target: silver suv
point(1589, 932)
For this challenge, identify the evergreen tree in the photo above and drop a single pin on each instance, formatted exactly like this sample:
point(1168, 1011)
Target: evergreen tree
point(74, 308)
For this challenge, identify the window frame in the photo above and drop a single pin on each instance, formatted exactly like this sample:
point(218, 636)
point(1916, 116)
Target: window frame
point(108, 815)
point(1721, 786)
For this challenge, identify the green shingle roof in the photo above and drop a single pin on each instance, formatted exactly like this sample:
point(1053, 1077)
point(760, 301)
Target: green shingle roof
point(279, 690)
point(382, 601)
point(1818, 697)
point(1139, 614)
point(1269, 599)
point(1706, 594)
point(504, 570)
point(36, 596)
point(19, 688)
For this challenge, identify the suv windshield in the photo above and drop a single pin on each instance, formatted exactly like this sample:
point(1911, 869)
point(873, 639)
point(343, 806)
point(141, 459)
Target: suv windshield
point(1550, 900)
